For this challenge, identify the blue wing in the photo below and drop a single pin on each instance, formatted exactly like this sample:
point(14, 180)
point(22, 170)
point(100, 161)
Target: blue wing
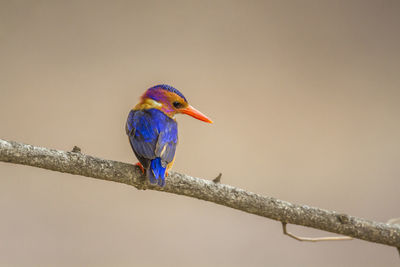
point(153, 137)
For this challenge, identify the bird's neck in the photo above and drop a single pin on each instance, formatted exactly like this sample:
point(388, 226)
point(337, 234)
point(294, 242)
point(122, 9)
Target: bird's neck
point(148, 103)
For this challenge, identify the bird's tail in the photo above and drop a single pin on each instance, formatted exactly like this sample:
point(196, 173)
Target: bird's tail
point(156, 172)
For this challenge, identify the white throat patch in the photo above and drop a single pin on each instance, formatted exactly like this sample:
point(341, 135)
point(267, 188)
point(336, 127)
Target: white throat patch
point(152, 101)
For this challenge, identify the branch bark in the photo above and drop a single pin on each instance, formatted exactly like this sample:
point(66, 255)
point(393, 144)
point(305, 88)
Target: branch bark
point(181, 184)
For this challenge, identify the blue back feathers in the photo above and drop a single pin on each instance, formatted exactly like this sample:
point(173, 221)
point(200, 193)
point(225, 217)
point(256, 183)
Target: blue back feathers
point(153, 137)
point(169, 88)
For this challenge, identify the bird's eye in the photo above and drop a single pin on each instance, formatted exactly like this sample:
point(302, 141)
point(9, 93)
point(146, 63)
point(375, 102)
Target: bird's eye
point(177, 104)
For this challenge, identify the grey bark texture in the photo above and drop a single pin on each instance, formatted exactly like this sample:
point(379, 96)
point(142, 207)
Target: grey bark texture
point(181, 184)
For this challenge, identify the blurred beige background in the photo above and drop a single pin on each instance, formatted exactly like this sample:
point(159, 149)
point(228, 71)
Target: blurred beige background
point(305, 98)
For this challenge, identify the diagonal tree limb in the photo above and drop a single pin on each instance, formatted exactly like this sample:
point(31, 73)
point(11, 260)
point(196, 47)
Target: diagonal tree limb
point(181, 184)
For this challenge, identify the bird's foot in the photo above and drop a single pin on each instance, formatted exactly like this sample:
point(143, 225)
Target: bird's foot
point(140, 166)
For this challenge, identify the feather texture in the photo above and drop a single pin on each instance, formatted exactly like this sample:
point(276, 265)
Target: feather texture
point(153, 137)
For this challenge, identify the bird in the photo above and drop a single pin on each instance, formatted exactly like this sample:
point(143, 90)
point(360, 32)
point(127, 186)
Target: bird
point(153, 131)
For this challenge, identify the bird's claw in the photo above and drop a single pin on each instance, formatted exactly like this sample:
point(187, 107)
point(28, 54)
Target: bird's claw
point(140, 166)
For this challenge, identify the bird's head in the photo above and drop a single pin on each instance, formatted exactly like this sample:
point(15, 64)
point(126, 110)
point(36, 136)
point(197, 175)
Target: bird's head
point(170, 101)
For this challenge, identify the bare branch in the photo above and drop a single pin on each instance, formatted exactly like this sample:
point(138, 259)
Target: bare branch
point(181, 184)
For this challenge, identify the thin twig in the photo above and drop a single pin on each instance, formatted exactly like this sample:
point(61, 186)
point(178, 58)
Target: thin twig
point(394, 221)
point(314, 239)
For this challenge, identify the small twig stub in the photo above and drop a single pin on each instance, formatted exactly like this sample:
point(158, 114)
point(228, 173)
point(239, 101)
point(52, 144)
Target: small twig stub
point(76, 149)
point(218, 178)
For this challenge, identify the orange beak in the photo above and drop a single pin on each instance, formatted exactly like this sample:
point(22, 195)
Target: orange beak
point(191, 111)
